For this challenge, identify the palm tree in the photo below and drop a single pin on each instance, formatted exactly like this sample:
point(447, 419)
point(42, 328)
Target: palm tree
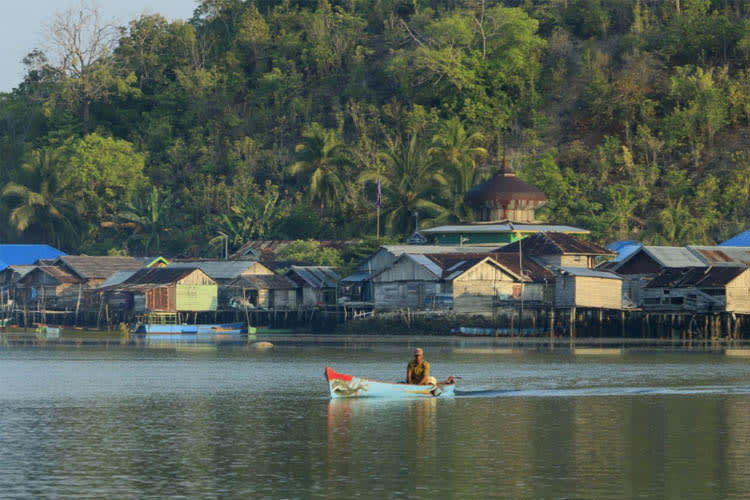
point(409, 182)
point(323, 160)
point(38, 206)
point(150, 217)
point(458, 151)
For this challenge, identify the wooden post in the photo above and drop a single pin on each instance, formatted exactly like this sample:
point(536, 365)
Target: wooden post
point(572, 332)
point(78, 303)
point(552, 323)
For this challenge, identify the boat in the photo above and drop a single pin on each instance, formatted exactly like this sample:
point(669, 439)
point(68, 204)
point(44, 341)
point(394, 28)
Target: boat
point(342, 385)
point(210, 333)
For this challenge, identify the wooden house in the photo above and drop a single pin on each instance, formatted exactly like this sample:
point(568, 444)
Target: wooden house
point(712, 289)
point(408, 282)
point(642, 265)
point(92, 271)
point(264, 291)
point(559, 250)
point(359, 287)
point(475, 282)
point(49, 287)
point(315, 284)
point(480, 285)
point(225, 272)
point(583, 287)
point(165, 290)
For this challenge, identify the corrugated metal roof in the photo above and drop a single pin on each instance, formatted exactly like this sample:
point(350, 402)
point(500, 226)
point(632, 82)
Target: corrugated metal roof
point(217, 269)
point(88, 267)
point(673, 256)
point(554, 244)
point(589, 273)
point(58, 273)
point(20, 271)
point(503, 228)
point(159, 275)
point(698, 277)
point(432, 249)
point(314, 276)
point(355, 278)
point(718, 255)
point(117, 278)
point(26, 254)
point(427, 263)
point(623, 248)
point(262, 282)
point(740, 240)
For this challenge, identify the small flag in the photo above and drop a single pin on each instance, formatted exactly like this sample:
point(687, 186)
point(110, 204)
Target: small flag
point(379, 198)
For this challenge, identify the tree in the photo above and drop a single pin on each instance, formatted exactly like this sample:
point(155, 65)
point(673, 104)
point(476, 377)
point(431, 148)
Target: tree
point(150, 216)
point(312, 252)
point(81, 45)
point(100, 174)
point(40, 210)
point(250, 216)
point(322, 160)
point(411, 185)
point(458, 151)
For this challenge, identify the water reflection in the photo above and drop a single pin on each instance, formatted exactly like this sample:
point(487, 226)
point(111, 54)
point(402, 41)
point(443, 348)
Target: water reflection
point(221, 428)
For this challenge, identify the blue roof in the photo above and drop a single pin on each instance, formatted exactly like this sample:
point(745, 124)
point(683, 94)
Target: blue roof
point(25, 255)
point(623, 248)
point(741, 240)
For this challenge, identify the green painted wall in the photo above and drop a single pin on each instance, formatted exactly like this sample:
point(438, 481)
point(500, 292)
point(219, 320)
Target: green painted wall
point(475, 238)
point(197, 297)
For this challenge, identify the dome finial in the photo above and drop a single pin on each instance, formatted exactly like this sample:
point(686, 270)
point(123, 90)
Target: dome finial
point(505, 170)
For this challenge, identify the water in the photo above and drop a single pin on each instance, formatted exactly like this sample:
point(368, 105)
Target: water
point(239, 424)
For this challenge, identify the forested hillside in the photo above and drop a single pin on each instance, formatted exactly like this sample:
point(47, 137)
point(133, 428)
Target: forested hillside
point(272, 119)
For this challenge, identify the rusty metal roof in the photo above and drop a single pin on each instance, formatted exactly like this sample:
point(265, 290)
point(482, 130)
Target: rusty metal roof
point(718, 255)
point(696, 277)
point(551, 243)
point(454, 265)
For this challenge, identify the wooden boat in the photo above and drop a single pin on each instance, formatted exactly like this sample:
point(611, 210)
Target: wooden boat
point(192, 334)
point(349, 386)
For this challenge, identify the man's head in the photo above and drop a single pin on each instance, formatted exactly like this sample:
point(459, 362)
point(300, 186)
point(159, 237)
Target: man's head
point(418, 354)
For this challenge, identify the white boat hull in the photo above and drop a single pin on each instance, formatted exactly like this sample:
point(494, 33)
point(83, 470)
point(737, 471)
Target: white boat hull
point(341, 385)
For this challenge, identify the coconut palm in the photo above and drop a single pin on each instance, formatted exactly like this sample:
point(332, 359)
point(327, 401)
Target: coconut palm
point(458, 152)
point(410, 184)
point(323, 161)
point(38, 208)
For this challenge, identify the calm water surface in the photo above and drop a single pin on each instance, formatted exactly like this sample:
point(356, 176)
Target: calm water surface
point(238, 424)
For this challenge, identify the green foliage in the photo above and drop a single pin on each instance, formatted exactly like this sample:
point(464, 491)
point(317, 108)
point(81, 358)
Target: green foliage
point(310, 251)
point(276, 120)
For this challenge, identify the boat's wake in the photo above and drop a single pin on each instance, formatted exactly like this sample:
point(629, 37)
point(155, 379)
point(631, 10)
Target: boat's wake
point(606, 391)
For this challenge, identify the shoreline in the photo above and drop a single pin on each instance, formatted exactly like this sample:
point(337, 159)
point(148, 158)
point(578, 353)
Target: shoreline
point(476, 345)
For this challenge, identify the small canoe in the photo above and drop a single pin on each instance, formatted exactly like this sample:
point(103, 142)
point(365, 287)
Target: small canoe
point(348, 386)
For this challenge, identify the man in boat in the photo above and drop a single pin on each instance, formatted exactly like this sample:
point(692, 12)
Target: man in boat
point(418, 370)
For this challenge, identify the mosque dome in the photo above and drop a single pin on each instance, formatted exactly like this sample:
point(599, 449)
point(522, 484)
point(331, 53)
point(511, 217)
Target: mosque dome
point(505, 197)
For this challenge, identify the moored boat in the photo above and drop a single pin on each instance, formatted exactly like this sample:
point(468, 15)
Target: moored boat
point(342, 385)
point(191, 334)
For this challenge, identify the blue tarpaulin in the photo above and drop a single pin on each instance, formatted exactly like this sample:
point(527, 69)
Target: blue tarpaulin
point(25, 255)
point(623, 248)
point(741, 240)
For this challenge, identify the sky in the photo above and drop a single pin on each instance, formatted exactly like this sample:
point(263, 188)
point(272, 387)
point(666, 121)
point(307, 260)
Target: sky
point(22, 25)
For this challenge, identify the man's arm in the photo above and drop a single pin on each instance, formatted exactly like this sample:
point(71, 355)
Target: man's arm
point(426, 373)
point(408, 375)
